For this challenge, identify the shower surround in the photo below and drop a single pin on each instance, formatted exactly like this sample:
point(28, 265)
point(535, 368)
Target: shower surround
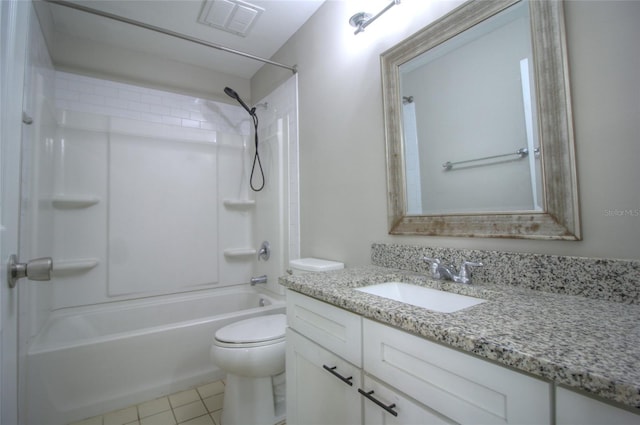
point(142, 198)
point(138, 196)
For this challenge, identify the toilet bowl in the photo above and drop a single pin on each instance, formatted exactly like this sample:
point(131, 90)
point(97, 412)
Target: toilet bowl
point(252, 353)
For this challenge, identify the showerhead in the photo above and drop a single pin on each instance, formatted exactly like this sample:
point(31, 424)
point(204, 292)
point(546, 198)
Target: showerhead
point(232, 93)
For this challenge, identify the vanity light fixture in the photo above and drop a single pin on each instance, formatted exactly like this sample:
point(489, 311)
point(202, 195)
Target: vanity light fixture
point(362, 20)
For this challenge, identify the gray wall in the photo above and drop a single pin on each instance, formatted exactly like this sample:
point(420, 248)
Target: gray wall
point(342, 154)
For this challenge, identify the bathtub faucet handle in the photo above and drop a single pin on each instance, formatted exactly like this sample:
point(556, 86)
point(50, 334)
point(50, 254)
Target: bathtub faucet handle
point(258, 279)
point(265, 251)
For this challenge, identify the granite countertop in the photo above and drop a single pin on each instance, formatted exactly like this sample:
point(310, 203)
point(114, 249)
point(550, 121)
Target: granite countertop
point(587, 344)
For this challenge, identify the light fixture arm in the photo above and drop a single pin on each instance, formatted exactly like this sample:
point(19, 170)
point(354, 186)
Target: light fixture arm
point(362, 20)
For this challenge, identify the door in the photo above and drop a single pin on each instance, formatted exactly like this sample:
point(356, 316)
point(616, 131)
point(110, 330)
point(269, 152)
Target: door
point(321, 387)
point(13, 41)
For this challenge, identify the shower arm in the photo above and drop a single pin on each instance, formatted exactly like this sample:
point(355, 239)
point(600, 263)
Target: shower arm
point(139, 24)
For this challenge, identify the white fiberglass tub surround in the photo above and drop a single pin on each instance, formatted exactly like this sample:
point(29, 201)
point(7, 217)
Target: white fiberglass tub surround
point(153, 233)
point(88, 360)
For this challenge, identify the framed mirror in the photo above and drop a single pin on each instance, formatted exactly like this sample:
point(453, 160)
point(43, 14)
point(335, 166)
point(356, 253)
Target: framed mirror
point(478, 125)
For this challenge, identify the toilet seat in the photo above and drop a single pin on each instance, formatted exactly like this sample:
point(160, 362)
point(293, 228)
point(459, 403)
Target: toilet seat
point(254, 332)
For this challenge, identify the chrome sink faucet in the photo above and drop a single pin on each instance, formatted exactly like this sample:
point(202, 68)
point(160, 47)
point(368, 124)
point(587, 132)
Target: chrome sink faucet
point(441, 271)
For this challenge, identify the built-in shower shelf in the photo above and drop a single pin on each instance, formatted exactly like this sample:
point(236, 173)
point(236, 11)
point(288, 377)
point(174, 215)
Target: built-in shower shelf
point(67, 202)
point(239, 203)
point(239, 252)
point(79, 265)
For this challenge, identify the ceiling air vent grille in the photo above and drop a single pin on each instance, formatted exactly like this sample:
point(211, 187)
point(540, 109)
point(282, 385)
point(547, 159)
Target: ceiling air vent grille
point(234, 16)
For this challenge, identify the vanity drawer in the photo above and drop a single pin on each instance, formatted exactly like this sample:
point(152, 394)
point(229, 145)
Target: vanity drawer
point(336, 329)
point(457, 385)
point(407, 410)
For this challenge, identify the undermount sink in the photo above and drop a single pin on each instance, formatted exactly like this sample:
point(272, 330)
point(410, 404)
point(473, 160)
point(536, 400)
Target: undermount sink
point(431, 299)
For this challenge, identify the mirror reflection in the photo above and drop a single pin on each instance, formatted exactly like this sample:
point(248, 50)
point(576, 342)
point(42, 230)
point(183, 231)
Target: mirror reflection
point(469, 121)
point(478, 125)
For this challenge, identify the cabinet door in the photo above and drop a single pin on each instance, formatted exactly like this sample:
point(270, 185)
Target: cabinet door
point(459, 386)
point(315, 392)
point(575, 409)
point(407, 411)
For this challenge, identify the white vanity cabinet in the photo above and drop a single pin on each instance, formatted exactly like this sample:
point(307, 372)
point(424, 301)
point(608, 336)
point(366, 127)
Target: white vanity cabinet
point(323, 363)
point(461, 387)
point(327, 386)
point(395, 377)
point(576, 409)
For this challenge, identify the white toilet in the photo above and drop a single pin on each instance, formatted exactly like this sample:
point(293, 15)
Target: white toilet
point(252, 353)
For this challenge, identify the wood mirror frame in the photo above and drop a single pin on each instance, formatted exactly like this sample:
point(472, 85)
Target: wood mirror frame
point(560, 218)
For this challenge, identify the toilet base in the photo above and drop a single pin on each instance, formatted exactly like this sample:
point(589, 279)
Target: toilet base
point(249, 401)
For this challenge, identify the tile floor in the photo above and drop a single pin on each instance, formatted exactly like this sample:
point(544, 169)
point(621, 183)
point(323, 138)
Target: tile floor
point(197, 406)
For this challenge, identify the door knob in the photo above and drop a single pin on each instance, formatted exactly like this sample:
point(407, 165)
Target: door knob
point(38, 269)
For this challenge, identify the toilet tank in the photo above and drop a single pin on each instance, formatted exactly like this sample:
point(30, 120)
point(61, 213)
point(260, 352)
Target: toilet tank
point(305, 265)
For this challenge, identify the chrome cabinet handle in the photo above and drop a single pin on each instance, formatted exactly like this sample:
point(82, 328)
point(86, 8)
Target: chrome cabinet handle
point(332, 370)
point(388, 408)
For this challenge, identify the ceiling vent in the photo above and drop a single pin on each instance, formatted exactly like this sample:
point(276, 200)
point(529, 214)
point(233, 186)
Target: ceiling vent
point(234, 16)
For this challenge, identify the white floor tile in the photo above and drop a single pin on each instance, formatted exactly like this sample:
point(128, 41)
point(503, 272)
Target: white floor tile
point(164, 418)
point(121, 417)
point(199, 406)
point(217, 416)
point(153, 407)
point(184, 397)
point(201, 420)
point(211, 389)
point(214, 403)
point(189, 411)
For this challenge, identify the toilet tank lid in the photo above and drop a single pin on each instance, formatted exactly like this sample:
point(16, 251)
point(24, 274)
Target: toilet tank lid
point(256, 329)
point(315, 265)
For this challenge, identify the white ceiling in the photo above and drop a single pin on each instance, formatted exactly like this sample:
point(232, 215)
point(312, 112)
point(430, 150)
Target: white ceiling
point(279, 21)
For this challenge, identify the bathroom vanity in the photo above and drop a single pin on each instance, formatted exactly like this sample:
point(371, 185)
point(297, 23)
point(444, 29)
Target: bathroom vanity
point(353, 357)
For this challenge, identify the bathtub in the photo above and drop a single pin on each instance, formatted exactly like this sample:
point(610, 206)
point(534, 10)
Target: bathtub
point(91, 360)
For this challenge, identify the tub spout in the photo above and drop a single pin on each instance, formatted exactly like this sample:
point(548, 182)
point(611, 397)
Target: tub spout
point(259, 279)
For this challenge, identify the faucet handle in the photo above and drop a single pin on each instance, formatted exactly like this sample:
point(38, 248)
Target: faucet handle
point(464, 269)
point(265, 251)
point(435, 266)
